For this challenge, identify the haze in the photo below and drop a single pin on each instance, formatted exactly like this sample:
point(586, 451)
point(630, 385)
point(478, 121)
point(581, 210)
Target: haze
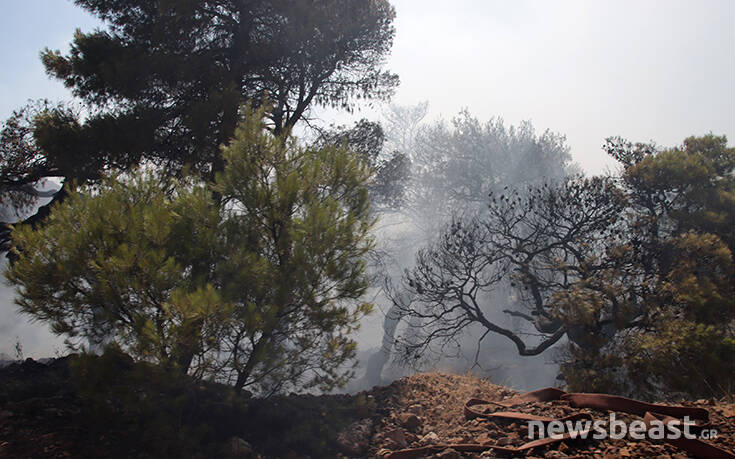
point(645, 70)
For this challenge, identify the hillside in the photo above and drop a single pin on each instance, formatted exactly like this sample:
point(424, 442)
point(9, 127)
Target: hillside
point(73, 408)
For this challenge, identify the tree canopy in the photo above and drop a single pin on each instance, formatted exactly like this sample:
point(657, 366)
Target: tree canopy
point(456, 165)
point(164, 82)
point(260, 288)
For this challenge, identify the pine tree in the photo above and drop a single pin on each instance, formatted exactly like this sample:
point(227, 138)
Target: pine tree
point(165, 81)
point(260, 287)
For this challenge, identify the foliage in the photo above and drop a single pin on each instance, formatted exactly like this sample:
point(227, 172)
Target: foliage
point(677, 267)
point(22, 163)
point(187, 66)
point(456, 166)
point(636, 272)
point(164, 81)
point(680, 253)
point(259, 287)
point(392, 168)
point(109, 262)
point(298, 223)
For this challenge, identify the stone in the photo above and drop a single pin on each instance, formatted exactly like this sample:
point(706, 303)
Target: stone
point(355, 438)
point(430, 438)
point(411, 438)
point(416, 408)
point(399, 437)
point(409, 420)
point(728, 411)
point(449, 453)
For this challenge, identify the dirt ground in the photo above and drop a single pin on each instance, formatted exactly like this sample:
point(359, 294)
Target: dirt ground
point(42, 415)
point(438, 399)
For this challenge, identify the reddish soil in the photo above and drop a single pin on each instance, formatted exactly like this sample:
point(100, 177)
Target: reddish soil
point(438, 400)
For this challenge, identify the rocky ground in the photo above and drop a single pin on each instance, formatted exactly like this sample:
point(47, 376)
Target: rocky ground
point(44, 413)
point(427, 409)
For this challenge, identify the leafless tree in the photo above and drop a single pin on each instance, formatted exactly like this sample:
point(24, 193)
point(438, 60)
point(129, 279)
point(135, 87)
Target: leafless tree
point(539, 241)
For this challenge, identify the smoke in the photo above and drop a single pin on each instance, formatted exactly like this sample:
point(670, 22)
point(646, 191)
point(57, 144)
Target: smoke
point(453, 167)
point(17, 332)
point(34, 338)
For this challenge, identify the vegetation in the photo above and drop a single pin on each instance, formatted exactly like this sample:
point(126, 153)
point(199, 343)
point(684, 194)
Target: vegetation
point(260, 287)
point(637, 273)
point(449, 169)
point(392, 168)
point(457, 164)
point(164, 83)
point(197, 235)
point(242, 264)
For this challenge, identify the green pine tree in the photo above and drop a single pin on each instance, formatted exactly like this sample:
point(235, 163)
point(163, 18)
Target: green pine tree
point(260, 287)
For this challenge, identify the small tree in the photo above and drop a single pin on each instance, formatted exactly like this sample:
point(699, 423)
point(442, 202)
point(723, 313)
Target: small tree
point(680, 253)
point(297, 225)
point(259, 287)
point(440, 170)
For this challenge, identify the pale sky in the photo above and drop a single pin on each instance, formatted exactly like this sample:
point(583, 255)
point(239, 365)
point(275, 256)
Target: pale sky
point(646, 70)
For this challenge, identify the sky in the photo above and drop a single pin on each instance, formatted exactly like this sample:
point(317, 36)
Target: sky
point(645, 70)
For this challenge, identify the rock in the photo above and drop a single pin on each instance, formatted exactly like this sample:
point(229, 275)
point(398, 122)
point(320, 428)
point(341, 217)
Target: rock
point(449, 453)
point(409, 420)
point(237, 448)
point(390, 444)
point(411, 438)
point(415, 408)
point(728, 411)
point(355, 438)
point(503, 441)
point(383, 453)
point(430, 438)
point(5, 414)
point(399, 437)
point(553, 454)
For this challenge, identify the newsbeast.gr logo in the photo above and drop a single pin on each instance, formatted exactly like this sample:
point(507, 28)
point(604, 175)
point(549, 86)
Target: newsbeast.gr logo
point(616, 429)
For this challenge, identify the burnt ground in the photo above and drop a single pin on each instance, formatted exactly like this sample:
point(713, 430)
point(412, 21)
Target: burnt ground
point(68, 409)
